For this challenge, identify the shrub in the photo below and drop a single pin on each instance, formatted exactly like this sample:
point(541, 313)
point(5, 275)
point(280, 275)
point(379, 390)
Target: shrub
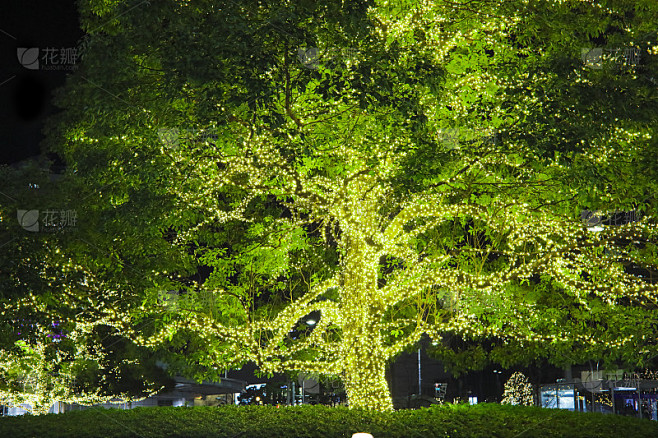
point(447, 421)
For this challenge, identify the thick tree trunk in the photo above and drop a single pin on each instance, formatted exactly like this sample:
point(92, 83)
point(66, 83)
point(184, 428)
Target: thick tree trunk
point(364, 359)
point(365, 374)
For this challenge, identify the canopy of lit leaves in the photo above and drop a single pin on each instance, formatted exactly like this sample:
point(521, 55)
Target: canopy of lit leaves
point(397, 168)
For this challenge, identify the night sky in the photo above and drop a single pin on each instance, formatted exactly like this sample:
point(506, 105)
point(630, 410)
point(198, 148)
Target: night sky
point(51, 26)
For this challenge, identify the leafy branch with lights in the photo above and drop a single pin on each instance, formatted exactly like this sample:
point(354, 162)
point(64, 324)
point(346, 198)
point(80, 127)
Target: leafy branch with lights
point(60, 335)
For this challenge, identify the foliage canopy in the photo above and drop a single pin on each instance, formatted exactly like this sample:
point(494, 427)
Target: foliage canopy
point(392, 169)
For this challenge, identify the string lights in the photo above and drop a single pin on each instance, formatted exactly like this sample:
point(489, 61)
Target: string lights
point(477, 223)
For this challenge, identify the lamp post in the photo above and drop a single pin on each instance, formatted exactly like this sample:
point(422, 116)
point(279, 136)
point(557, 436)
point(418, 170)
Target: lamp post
point(498, 384)
point(419, 375)
point(310, 322)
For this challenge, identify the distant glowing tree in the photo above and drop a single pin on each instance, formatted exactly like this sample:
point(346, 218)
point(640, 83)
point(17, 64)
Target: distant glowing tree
point(518, 390)
point(59, 340)
point(36, 374)
point(430, 181)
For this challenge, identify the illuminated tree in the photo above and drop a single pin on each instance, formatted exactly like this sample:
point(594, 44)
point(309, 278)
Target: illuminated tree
point(58, 335)
point(428, 180)
point(34, 375)
point(518, 390)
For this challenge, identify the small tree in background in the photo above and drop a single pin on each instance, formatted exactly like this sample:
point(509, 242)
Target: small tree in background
point(518, 390)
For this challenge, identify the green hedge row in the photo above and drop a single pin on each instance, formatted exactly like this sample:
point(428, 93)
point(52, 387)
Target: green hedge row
point(454, 421)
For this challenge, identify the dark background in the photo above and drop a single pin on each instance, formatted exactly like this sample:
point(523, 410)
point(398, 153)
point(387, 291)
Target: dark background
point(25, 95)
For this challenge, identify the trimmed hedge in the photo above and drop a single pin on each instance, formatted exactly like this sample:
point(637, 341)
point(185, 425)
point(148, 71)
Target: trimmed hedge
point(453, 421)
